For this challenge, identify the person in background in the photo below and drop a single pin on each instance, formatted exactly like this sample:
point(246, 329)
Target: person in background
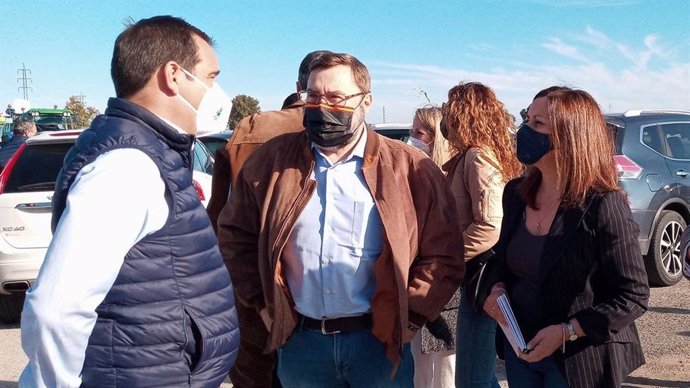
point(426, 135)
point(133, 291)
point(251, 132)
point(573, 270)
point(254, 368)
point(433, 348)
point(341, 239)
point(23, 129)
point(290, 101)
point(476, 124)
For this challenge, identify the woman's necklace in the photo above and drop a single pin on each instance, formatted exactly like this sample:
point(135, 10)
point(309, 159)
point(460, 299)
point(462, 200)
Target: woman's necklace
point(546, 214)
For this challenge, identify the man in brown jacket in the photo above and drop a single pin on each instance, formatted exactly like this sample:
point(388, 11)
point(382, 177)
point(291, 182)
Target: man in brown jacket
point(254, 368)
point(344, 241)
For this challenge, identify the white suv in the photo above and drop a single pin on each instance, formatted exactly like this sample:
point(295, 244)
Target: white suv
point(26, 190)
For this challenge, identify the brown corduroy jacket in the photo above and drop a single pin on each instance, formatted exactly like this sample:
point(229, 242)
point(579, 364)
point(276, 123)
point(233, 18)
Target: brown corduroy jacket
point(250, 133)
point(418, 270)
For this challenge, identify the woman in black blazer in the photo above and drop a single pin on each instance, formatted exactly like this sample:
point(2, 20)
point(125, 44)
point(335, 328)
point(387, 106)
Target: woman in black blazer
point(572, 266)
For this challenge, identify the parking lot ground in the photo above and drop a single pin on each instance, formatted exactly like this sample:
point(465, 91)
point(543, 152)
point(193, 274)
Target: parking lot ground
point(664, 330)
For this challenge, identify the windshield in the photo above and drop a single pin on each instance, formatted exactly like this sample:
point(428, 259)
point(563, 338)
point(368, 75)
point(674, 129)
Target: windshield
point(53, 123)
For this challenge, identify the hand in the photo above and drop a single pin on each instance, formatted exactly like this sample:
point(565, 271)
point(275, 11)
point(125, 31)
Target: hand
point(491, 304)
point(544, 343)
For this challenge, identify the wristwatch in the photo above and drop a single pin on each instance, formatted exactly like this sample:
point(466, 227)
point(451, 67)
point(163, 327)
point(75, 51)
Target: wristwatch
point(571, 331)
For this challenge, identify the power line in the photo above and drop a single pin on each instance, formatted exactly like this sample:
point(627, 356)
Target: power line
point(23, 71)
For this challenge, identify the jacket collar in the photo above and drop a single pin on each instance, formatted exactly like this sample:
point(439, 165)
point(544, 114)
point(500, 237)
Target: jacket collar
point(119, 107)
point(371, 148)
point(563, 229)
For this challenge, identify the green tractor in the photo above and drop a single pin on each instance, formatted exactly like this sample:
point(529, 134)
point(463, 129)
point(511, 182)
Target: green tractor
point(52, 119)
point(46, 119)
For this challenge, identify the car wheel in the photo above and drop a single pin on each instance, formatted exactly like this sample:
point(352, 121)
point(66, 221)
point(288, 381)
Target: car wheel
point(664, 262)
point(11, 307)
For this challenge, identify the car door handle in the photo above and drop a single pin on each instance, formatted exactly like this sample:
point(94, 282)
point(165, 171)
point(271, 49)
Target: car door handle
point(682, 173)
point(34, 207)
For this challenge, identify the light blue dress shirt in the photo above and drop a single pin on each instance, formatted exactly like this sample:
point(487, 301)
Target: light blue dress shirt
point(333, 247)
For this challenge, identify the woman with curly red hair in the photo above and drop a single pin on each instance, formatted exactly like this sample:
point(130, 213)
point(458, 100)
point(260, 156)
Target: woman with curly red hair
point(477, 124)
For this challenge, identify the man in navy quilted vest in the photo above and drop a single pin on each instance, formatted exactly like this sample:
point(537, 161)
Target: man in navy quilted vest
point(133, 291)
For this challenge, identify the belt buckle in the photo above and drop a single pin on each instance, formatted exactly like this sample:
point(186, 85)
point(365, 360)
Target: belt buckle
point(323, 328)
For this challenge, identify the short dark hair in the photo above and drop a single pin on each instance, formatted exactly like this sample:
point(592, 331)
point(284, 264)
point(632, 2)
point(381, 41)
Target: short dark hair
point(359, 72)
point(305, 66)
point(23, 125)
point(290, 100)
point(143, 47)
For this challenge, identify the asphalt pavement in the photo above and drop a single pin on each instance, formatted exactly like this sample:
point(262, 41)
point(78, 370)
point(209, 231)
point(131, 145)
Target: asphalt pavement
point(664, 330)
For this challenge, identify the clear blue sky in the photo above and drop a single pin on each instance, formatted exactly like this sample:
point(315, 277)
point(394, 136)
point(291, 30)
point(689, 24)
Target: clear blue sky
point(629, 54)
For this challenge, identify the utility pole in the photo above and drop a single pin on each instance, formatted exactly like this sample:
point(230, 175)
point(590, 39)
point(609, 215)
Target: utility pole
point(81, 97)
point(24, 71)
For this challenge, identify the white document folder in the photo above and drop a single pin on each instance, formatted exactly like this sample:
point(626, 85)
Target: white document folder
point(511, 328)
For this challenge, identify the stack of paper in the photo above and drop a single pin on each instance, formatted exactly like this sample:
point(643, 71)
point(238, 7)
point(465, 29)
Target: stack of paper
point(511, 329)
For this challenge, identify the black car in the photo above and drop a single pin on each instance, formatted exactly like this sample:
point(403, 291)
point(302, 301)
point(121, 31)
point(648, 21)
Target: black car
point(653, 163)
point(215, 141)
point(394, 131)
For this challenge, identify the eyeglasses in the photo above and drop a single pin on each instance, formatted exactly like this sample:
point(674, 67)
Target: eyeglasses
point(331, 99)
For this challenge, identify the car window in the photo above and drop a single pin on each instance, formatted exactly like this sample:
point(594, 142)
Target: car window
point(202, 159)
point(396, 134)
point(677, 136)
point(652, 137)
point(37, 168)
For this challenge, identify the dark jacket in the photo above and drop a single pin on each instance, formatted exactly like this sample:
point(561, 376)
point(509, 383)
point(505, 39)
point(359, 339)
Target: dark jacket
point(9, 148)
point(169, 319)
point(591, 269)
point(418, 270)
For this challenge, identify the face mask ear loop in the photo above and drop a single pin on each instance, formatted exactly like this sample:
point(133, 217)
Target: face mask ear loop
point(188, 73)
point(187, 103)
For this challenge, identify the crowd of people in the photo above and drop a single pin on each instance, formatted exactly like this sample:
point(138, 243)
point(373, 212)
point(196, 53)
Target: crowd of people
point(331, 256)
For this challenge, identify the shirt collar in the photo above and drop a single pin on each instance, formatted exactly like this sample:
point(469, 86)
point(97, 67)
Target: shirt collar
point(175, 126)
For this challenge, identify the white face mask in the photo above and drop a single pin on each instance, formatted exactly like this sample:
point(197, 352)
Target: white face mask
point(214, 109)
point(414, 142)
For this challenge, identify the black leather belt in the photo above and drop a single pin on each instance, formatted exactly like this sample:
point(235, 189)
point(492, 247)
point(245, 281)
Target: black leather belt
point(337, 325)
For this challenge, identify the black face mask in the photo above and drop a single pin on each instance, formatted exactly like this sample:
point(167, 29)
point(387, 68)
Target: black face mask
point(531, 145)
point(328, 126)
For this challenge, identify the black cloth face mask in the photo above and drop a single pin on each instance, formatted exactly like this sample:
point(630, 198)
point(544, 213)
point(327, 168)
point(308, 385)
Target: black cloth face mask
point(327, 125)
point(531, 145)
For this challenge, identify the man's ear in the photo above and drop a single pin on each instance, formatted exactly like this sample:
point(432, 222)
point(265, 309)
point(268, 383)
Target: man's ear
point(169, 76)
point(368, 101)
